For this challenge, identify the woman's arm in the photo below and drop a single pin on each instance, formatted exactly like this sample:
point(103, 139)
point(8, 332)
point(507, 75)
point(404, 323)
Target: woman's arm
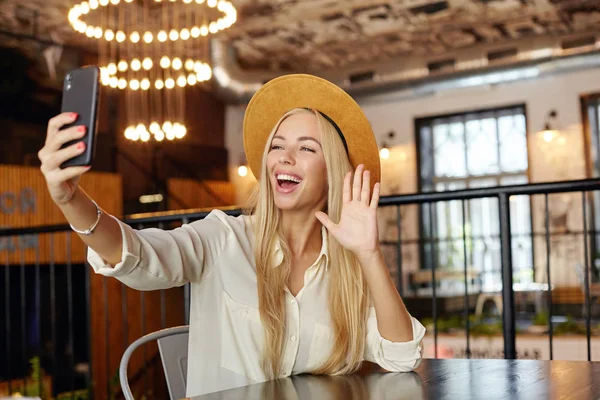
point(106, 240)
point(393, 320)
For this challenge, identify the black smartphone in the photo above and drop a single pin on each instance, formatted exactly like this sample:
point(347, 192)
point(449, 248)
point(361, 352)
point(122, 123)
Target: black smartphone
point(81, 91)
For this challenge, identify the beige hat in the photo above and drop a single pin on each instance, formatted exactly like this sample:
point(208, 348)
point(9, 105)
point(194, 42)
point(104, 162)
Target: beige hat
point(287, 92)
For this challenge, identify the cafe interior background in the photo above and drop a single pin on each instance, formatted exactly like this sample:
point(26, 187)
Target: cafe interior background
point(491, 99)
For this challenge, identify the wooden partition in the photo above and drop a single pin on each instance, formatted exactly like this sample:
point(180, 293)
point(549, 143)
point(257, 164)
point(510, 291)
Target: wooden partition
point(25, 202)
point(200, 194)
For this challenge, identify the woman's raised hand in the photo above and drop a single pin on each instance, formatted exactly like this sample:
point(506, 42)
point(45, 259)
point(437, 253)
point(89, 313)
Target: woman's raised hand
point(62, 183)
point(357, 230)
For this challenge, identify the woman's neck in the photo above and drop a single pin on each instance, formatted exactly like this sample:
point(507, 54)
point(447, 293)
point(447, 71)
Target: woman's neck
point(302, 232)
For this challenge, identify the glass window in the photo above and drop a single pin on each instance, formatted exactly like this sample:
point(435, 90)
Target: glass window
point(466, 151)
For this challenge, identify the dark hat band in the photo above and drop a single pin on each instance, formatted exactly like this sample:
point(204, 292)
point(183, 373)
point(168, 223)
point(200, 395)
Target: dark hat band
point(337, 128)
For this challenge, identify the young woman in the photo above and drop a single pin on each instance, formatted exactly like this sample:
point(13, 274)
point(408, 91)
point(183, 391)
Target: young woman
point(298, 284)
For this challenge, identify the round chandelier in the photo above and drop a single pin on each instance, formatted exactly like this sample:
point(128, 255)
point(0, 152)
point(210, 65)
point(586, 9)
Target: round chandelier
point(153, 51)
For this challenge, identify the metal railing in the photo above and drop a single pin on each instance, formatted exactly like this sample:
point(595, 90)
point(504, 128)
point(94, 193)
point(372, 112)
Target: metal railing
point(43, 283)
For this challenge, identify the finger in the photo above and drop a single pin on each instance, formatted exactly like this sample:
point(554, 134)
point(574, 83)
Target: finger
point(375, 199)
point(54, 124)
point(356, 185)
point(366, 187)
point(65, 136)
point(346, 192)
point(69, 173)
point(325, 220)
point(60, 156)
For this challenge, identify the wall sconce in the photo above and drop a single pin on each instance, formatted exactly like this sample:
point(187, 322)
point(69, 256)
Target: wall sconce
point(243, 168)
point(384, 153)
point(550, 133)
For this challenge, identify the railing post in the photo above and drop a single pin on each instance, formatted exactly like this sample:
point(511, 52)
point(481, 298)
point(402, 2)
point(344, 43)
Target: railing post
point(508, 300)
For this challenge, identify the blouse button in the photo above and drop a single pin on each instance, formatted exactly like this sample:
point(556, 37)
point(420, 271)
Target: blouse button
point(293, 338)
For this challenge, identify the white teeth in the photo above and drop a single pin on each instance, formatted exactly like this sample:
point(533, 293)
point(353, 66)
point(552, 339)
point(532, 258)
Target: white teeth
point(284, 177)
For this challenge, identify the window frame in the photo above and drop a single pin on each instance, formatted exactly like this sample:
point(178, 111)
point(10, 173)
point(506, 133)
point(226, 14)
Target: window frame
point(426, 262)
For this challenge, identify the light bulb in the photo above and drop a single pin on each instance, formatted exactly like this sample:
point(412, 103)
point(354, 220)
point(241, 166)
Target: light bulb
point(140, 127)
point(114, 82)
point(115, 2)
point(145, 85)
point(89, 32)
point(165, 62)
point(145, 136)
point(134, 135)
point(159, 84)
point(204, 30)
point(195, 32)
point(187, 1)
point(93, 4)
point(189, 64)
point(98, 32)
point(162, 36)
point(242, 171)
point(154, 127)
point(111, 68)
point(170, 135)
point(212, 3)
point(84, 8)
point(167, 126)
point(170, 83)
point(181, 81)
point(136, 64)
point(120, 36)
point(176, 64)
point(147, 63)
point(122, 66)
point(159, 136)
point(212, 27)
point(192, 80)
point(103, 3)
point(173, 35)
point(179, 131)
point(129, 132)
point(384, 153)
point(122, 83)
point(148, 37)
point(220, 24)
point(134, 84)
point(134, 37)
point(200, 1)
point(184, 34)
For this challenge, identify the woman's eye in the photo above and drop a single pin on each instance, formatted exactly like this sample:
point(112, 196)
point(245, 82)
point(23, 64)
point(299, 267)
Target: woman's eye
point(307, 149)
point(276, 147)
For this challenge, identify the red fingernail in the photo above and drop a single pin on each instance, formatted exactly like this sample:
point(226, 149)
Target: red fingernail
point(80, 145)
point(81, 128)
point(73, 115)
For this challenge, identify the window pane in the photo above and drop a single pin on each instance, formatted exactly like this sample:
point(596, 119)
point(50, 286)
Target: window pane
point(449, 145)
point(513, 143)
point(483, 146)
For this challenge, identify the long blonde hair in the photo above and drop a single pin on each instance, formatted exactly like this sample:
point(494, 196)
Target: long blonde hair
point(348, 293)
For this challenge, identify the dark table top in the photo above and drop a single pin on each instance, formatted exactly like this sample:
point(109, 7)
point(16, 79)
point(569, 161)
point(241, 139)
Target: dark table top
point(438, 379)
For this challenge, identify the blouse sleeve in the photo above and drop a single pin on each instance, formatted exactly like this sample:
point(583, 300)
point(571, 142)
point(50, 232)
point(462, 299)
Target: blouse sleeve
point(394, 356)
point(160, 259)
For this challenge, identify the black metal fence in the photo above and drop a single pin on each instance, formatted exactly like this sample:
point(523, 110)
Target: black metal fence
point(45, 316)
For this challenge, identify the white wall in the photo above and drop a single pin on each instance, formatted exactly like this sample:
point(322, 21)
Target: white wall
point(548, 162)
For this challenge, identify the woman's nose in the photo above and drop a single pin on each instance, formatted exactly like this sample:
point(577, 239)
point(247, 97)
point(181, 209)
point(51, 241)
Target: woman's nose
point(286, 158)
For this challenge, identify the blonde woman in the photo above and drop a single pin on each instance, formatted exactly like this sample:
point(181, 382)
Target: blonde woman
point(299, 284)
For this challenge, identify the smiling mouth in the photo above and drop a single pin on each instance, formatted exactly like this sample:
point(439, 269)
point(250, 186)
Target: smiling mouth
point(287, 181)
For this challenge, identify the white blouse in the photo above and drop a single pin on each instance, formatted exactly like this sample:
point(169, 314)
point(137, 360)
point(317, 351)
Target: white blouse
point(226, 335)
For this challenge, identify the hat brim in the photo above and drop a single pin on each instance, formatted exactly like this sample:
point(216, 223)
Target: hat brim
point(288, 92)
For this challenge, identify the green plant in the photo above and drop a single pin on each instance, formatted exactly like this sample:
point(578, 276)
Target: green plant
point(541, 319)
point(570, 326)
